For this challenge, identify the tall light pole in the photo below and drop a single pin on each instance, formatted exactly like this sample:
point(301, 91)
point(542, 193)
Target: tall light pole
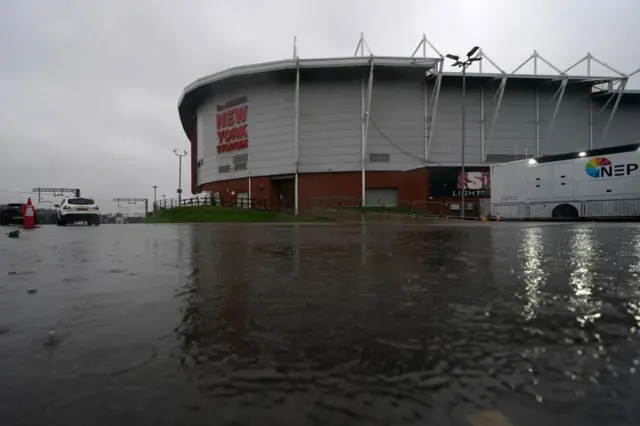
point(180, 155)
point(155, 198)
point(464, 64)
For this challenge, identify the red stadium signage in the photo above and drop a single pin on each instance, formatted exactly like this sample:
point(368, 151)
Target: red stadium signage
point(231, 124)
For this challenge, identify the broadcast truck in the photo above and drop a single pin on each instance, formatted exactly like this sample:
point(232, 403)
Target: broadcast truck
point(599, 183)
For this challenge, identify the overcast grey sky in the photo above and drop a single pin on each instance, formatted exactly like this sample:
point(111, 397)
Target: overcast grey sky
point(89, 88)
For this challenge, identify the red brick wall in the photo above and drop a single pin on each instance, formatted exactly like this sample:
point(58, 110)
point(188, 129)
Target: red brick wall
point(226, 187)
point(342, 188)
point(262, 188)
point(331, 188)
point(412, 185)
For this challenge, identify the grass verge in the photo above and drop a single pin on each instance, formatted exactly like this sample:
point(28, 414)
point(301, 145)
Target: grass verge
point(209, 214)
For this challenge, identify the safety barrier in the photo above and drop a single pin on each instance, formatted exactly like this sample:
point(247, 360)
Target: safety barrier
point(236, 202)
point(477, 209)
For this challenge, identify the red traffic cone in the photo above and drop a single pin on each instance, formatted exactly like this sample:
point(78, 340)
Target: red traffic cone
point(28, 215)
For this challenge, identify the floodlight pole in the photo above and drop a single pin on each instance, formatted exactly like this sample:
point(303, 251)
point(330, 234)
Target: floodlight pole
point(464, 64)
point(180, 155)
point(464, 131)
point(155, 198)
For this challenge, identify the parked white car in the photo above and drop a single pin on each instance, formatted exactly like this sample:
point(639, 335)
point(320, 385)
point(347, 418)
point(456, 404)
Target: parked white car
point(78, 209)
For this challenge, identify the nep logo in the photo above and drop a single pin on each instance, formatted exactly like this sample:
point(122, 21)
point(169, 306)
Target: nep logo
point(599, 167)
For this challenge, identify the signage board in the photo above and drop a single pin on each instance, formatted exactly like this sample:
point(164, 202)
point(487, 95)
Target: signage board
point(231, 125)
point(449, 182)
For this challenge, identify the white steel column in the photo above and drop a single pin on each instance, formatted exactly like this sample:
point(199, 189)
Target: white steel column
point(426, 118)
point(560, 94)
point(482, 122)
point(430, 105)
point(590, 117)
point(623, 84)
point(365, 123)
point(363, 153)
point(535, 72)
point(496, 112)
point(295, 47)
point(434, 110)
point(360, 49)
point(537, 119)
point(296, 131)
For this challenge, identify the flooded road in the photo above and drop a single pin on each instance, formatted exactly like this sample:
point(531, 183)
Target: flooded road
point(373, 324)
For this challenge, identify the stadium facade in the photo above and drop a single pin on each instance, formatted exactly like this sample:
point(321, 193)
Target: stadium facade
point(374, 130)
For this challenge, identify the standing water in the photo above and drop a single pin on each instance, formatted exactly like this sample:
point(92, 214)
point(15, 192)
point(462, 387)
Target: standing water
point(484, 323)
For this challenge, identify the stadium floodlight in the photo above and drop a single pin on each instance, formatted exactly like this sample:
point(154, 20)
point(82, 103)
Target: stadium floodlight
point(464, 64)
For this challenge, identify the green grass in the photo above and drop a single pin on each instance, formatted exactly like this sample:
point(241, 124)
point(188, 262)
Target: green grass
point(209, 214)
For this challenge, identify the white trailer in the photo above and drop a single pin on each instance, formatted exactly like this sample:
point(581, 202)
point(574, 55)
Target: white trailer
point(598, 183)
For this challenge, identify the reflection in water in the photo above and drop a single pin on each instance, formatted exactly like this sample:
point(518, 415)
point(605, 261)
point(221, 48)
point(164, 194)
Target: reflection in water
point(584, 248)
point(634, 244)
point(634, 269)
point(306, 325)
point(216, 311)
point(531, 249)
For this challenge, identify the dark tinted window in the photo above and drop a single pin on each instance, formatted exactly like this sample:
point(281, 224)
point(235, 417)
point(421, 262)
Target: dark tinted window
point(80, 201)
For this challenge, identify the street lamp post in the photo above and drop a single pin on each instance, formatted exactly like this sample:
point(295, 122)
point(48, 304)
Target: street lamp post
point(180, 155)
point(464, 64)
point(155, 198)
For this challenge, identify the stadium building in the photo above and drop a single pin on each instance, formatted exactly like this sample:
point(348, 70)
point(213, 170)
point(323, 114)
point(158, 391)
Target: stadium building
point(373, 130)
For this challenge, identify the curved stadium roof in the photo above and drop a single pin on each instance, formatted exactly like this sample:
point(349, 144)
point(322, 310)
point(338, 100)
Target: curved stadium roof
point(203, 87)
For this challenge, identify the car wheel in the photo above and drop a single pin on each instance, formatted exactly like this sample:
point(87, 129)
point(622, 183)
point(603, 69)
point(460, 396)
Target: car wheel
point(97, 222)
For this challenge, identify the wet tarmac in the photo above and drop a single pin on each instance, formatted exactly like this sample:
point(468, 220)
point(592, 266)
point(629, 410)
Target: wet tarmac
point(373, 324)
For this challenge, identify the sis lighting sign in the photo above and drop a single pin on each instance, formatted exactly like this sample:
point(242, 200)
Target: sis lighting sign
point(601, 167)
point(449, 182)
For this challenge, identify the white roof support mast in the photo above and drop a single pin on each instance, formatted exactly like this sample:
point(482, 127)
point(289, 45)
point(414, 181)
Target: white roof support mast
point(365, 106)
point(503, 84)
point(430, 104)
point(362, 43)
point(622, 84)
point(615, 86)
point(497, 100)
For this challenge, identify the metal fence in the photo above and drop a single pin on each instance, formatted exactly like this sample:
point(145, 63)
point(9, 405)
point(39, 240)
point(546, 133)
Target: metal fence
point(429, 208)
point(335, 202)
point(568, 209)
point(236, 202)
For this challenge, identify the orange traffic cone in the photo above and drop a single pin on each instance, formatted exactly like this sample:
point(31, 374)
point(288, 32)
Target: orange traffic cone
point(28, 215)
